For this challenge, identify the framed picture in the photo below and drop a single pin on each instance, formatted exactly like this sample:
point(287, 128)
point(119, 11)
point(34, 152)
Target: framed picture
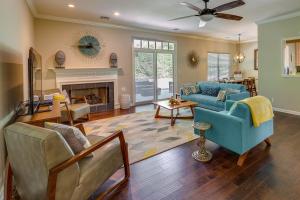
point(255, 59)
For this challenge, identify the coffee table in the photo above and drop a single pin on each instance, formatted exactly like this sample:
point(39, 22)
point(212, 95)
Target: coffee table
point(165, 104)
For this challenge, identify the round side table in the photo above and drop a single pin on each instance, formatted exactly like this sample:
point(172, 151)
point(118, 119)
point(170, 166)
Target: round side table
point(202, 154)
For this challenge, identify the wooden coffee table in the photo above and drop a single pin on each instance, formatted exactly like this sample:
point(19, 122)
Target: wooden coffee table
point(165, 104)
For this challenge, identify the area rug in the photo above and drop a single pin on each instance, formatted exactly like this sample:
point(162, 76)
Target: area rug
point(145, 135)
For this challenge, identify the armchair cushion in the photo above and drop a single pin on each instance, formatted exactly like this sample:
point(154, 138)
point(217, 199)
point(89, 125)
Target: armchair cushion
point(97, 169)
point(73, 136)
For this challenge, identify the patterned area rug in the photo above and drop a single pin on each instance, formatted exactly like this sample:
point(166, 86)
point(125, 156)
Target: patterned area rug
point(145, 135)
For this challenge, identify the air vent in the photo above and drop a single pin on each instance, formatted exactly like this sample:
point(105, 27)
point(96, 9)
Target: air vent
point(104, 18)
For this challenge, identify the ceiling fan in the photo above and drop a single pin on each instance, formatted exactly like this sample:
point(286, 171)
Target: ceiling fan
point(208, 14)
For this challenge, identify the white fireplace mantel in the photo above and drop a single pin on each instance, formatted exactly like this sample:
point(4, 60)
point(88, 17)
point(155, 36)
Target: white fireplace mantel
point(88, 75)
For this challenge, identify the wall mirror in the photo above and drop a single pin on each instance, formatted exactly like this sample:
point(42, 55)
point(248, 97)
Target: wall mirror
point(291, 56)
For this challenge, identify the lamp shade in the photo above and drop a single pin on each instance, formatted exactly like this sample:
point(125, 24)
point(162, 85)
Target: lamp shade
point(206, 17)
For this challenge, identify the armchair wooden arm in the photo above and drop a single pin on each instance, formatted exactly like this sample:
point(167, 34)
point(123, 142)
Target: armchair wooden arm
point(53, 173)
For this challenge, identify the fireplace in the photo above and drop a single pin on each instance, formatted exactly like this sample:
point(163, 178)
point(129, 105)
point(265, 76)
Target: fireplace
point(99, 95)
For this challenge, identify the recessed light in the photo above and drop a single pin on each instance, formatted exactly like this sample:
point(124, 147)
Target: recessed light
point(71, 5)
point(116, 14)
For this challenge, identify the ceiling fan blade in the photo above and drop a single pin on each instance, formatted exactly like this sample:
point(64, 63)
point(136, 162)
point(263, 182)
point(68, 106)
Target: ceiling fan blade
point(229, 6)
point(191, 6)
point(183, 17)
point(228, 16)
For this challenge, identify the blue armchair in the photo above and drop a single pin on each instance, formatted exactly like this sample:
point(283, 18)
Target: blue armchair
point(234, 130)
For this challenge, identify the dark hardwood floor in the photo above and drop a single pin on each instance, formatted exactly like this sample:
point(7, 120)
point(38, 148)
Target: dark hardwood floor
point(268, 173)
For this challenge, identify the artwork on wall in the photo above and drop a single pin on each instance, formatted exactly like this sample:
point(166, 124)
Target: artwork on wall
point(255, 59)
point(113, 60)
point(193, 59)
point(60, 59)
point(89, 45)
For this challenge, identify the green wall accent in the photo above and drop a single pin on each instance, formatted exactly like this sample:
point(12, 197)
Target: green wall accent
point(285, 91)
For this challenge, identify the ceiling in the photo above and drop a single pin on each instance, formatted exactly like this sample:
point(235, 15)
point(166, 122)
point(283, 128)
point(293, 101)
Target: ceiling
point(154, 14)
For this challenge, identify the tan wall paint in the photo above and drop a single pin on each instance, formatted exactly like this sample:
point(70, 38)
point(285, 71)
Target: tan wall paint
point(247, 67)
point(52, 36)
point(16, 37)
point(284, 91)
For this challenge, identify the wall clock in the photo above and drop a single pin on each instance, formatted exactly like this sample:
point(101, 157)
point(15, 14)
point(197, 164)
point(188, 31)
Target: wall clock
point(89, 45)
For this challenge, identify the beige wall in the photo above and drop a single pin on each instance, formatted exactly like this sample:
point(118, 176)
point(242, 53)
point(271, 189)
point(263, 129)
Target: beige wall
point(284, 91)
point(247, 67)
point(51, 36)
point(16, 37)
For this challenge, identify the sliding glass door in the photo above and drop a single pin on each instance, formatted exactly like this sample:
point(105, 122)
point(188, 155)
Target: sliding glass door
point(165, 75)
point(153, 70)
point(144, 77)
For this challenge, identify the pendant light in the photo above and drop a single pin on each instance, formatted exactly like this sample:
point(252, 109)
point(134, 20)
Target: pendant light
point(240, 57)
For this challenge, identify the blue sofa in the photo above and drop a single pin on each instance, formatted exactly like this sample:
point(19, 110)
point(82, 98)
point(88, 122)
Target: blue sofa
point(234, 130)
point(210, 102)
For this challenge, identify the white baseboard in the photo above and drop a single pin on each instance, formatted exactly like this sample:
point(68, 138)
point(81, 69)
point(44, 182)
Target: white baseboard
point(292, 112)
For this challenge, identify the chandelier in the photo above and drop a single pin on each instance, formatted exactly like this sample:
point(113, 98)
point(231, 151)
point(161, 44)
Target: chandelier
point(239, 57)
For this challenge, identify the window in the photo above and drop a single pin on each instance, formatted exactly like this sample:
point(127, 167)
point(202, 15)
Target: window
point(158, 45)
point(145, 44)
point(151, 44)
point(218, 66)
point(137, 44)
point(165, 46)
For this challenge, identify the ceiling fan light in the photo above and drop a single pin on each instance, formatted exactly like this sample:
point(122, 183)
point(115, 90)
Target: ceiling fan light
point(202, 24)
point(206, 17)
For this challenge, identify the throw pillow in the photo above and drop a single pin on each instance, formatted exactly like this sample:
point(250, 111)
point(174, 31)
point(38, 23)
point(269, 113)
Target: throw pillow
point(190, 89)
point(210, 91)
point(187, 90)
point(222, 95)
point(73, 136)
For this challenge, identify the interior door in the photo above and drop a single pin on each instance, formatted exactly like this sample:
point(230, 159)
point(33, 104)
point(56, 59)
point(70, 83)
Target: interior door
point(145, 82)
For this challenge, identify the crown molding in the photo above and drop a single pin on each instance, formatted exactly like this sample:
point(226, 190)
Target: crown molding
point(32, 7)
point(114, 26)
point(278, 18)
point(249, 41)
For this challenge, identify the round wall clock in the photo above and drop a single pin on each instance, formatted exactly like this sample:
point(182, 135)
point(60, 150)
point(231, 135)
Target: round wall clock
point(89, 45)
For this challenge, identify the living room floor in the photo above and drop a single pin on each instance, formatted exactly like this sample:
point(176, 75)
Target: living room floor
point(268, 173)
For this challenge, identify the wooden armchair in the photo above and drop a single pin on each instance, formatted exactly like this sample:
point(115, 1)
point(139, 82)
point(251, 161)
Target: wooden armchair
point(56, 173)
point(74, 107)
point(77, 108)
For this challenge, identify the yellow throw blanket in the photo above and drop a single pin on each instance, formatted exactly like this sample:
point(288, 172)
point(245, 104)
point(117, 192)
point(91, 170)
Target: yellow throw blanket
point(260, 108)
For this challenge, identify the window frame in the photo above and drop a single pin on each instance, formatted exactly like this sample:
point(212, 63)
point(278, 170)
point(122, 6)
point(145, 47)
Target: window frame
point(155, 51)
point(218, 65)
